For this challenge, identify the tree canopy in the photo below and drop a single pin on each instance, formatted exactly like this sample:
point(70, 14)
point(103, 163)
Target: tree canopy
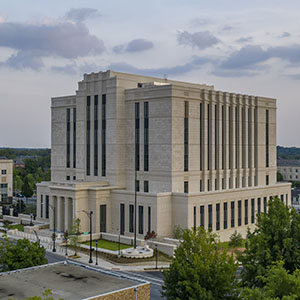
point(19, 254)
point(200, 270)
point(275, 238)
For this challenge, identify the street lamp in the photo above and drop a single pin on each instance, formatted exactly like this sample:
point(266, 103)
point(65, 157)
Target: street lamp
point(156, 256)
point(66, 234)
point(89, 214)
point(96, 252)
point(54, 235)
point(31, 215)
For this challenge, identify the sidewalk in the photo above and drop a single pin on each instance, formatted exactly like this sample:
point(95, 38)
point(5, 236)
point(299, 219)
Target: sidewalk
point(102, 263)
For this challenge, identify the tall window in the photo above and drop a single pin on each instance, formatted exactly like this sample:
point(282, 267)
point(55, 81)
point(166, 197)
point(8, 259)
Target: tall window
point(74, 138)
point(265, 204)
point(237, 138)
point(218, 216)
point(96, 135)
point(267, 138)
point(255, 140)
point(202, 215)
point(149, 218)
point(201, 185)
point(243, 138)
point(246, 211)
point(225, 214)
point(195, 217)
point(47, 206)
point(137, 136)
point(68, 136)
point(42, 206)
point(146, 136)
point(186, 136)
point(216, 137)
point(122, 218)
point(230, 138)
point(249, 139)
point(223, 136)
point(146, 186)
point(88, 135)
point(141, 219)
point(131, 217)
point(239, 212)
point(186, 187)
point(201, 136)
point(210, 217)
point(232, 214)
point(208, 137)
point(103, 141)
point(258, 206)
point(252, 211)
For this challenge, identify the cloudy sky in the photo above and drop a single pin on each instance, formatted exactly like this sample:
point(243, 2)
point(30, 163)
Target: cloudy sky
point(248, 46)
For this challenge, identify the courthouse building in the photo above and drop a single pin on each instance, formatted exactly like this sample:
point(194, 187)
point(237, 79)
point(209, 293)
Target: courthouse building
point(196, 156)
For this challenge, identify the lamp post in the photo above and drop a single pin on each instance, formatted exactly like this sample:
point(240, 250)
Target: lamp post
point(96, 252)
point(156, 256)
point(31, 224)
point(54, 229)
point(89, 214)
point(66, 234)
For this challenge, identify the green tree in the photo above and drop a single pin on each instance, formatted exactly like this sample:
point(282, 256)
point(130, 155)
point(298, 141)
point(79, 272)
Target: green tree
point(31, 165)
point(278, 284)
point(276, 237)
point(236, 240)
point(279, 176)
point(75, 235)
point(27, 190)
point(20, 254)
point(17, 183)
point(47, 295)
point(200, 270)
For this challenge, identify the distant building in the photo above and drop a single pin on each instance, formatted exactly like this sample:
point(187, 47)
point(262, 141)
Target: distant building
point(6, 180)
point(18, 163)
point(289, 169)
point(70, 281)
point(195, 156)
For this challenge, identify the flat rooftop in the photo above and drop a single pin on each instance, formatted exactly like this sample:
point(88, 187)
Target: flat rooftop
point(67, 281)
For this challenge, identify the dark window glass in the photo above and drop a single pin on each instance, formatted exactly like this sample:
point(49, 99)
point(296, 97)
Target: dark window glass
point(195, 217)
point(216, 138)
point(267, 179)
point(3, 172)
point(68, 177)
point(246, 211)
point(149, 219)
point(258, 206)
point(237, 138)
point(265, 204)
point(218, 216)
point(252, 211)
point(146, 186)
point(137, 185)
point(210, 217)
point(186, 186)
point(186, 136)
point(230, 138)
point(239, 213)
point(47, 207)
point(202, 215)
point(103, 137)
point(68, 136)
point(88, 136)
point(223, 136)
point(74, 138)
point(282, 199)
point(201, 185)
point(96, 135)
point(137, 136)
point(243, 138)
point(225, 214)
point(42, 204)
point(122, 218)
point(249, 140)
point(141, 219)
point(146, 136)
point(131, 217)
point(232, 214)
point(267, 138)
point(201, 136)
point(208, 137)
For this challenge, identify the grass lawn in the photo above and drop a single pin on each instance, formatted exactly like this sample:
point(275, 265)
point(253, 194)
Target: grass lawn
point(108, 245)
point(225, 245)
point(17, 226)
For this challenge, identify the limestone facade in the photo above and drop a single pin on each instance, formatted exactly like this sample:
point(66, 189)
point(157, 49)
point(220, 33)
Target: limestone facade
point(6, 180)
point(200, 157)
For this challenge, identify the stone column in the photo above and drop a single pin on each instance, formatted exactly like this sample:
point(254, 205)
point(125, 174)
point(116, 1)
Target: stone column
point(68, 214)
point(60, 214)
